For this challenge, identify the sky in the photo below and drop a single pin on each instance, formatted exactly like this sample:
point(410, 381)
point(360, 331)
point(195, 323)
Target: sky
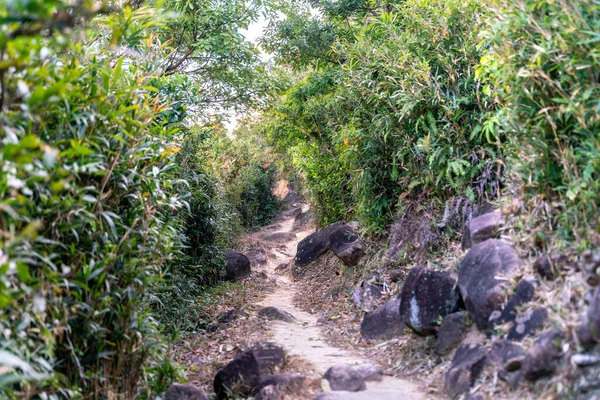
point(253, 32)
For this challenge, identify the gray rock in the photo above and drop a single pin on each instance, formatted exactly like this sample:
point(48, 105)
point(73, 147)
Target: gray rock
point(240, 377)
point(545, 268)
point(338, 235)
point(347, 245)
point(237, 265)
point(281, 268)
point(543, 356)
point(426, 297)
point(270, 393)
point(369, 372)
point(481, 291)
point(286, 382)
point(178, 391)
point(273, 313)
point(451, 332)
point(344, 377)
point(396, 275)
point(528, 324)
point(303, 220)
point(524, 293)
point(383, 323)
point(366, 295)
point(468, 363)
point(482, 228)
point(257, 256)
point(593, 315)
point(268, 356)
point(503, 351)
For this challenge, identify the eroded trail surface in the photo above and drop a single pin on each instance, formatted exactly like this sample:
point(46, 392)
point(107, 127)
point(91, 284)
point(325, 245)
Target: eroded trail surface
point(303, 337)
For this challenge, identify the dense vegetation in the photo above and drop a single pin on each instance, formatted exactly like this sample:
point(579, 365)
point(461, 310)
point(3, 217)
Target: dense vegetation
point(119, 184)
point(432, 100)
point(108, 200)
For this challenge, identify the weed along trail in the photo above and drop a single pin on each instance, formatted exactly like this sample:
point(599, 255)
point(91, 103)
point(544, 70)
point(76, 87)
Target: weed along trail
point(303, 337)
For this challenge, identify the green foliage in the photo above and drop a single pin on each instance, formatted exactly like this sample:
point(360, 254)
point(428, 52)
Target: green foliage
point(542, 63)
point(87, 203)
point(401, 115)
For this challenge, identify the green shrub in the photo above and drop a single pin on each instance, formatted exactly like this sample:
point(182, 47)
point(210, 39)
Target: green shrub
point(542, 62)
point(87, 205)
point(402, 116)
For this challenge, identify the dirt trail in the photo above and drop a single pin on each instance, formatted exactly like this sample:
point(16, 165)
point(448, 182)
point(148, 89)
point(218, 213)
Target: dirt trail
point(304, 337)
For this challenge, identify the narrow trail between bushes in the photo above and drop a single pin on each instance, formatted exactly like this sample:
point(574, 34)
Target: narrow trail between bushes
point(303, 337)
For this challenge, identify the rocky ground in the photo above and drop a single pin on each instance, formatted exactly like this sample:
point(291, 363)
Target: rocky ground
point(326, 314)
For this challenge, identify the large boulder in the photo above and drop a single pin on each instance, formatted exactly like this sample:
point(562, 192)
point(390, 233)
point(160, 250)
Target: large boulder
point(237, 265)
point(543, 356)
point(344, 377)
point(483, 292)
point(468, 363)
point(340, 237)
point(383, 323)
point(427, 296)
point(238, 378)
point(177, 391)
point(482, 228)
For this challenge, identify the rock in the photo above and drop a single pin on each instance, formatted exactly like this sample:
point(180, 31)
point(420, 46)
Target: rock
point(528, 324)
point(383, 323)
point(281, 268)
point(261, 275)
point(366, 295)
point(319, 242)
point(237, 265)
point(282, 381)
point(272, 313)
point(369, 372)
point(178, 391)
point(268, 355)
point(279, 237)
point(593, 315)
point(468, 363)
point(481, 291)
point(347, 245)
point(543, 356)
point(396, 275)
point(426, 297)
point(450, 333)
point(256, 256)
point(240, 377)
point(524, 293)
point(543, 266)
point(584, 336)
point(482, 228)
point(344, 377)
point(502, 351)
point(232, 315)
point(270, 393)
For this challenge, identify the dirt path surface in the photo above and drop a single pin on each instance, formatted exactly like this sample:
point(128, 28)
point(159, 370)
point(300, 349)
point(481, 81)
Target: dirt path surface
point(303, 337)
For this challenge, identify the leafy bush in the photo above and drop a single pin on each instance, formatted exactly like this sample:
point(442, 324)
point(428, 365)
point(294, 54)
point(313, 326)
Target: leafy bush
point(542, 63)
point(402, 115)
point(87, 203)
